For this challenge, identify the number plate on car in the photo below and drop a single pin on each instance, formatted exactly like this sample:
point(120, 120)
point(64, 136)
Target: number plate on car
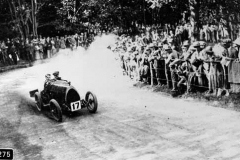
point(75, 106)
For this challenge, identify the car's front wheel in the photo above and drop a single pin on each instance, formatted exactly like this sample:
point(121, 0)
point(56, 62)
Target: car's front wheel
point(92, 103)
point(55, 110)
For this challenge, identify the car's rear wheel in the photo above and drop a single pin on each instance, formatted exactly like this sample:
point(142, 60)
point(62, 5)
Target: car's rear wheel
point(92, 103)
point(38, 99)
point(55, 110)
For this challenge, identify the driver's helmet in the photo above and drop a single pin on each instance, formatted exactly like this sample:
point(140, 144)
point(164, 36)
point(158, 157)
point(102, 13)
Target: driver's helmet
point(56, 74)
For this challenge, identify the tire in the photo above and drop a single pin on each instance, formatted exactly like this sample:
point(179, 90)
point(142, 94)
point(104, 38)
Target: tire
point(38, 99)
point(92, 103)
point(55, 110)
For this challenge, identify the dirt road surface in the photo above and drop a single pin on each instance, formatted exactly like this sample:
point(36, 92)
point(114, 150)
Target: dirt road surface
point(131, 123)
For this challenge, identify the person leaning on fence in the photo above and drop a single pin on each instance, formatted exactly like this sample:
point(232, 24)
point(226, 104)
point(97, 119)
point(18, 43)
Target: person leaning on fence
point(210, 70)
point(234, 49)
point(4, 53)
point(197, 64)
point(169, 58)
point(225, 60)
point(127, 60)
point(183, 67)
point(48, 47)
point(165, 54)
point(230, 54)
point(144, 67)
point(13, 54)
point(174, 55)
point(139, 60)
point(133, 63)
point(158, 64)
point(236, 46)
point(150, 60)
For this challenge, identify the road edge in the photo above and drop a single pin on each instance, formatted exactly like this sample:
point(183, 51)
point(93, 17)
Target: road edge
point(14, 67)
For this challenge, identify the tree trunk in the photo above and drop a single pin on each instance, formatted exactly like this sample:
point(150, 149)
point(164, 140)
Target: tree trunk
point(33, 18)
point(14, 18)
point(194, 9)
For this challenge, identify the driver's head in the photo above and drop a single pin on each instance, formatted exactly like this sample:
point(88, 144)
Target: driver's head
point(48, 76)
point(56, 74)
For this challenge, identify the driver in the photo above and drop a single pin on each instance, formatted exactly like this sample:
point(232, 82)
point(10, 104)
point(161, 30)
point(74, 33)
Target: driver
point(48, 80)
point(47, 84)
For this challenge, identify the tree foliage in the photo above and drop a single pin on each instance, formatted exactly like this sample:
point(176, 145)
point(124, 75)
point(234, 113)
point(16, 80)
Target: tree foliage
point(50, 17)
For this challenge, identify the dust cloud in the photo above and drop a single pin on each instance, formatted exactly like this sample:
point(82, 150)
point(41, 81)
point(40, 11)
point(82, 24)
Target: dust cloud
point(93, 70)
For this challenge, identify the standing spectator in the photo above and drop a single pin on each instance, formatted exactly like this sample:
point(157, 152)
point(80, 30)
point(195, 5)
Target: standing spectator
point(76, 39)
point(157, 65)
point(212, 33)
point(4, 53)
point(17, 45)
point(48, 47)
point(209, 69)
point(190, 33)
point(178, 33)
point(81, 41)
point(32, 49)
point(36, 50)
point(57, 44)
point(62, 43)
point(13, 54)
point(22, 49)
point(226, 43)
point(1, 54)
point(8, 44)
point(185, 33)
point(197, 62)
point(168, 51)
point(28, 50)
point(220, 31)
point(215, 31)
point(52, 51)
point(207, 32)
point(202, 34)
point(41, 49)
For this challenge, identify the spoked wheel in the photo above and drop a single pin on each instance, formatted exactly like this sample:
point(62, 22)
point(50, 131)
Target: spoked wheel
point(55, 110)
point(38, 100)
point(92, 103)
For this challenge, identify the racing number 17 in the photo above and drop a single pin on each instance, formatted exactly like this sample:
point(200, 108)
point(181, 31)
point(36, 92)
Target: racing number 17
point(75, 105)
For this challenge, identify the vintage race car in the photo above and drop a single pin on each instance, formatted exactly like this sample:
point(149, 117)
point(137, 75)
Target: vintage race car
point(61, 96)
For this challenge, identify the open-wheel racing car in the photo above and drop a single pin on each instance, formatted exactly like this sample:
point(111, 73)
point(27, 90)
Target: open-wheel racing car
point(61, 96)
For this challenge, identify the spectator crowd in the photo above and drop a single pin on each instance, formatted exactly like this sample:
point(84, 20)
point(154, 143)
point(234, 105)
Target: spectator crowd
point(174, 58)
point(32, 49)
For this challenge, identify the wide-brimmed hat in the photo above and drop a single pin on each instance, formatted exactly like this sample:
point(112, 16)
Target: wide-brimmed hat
point(160, 44)
point(35, 41)
point(151, 45)
point(226, 41)
point(237, 41)
point(202, 43)
point(209, 50)
point(170, 40)
point(186, 43)
point(196, 44)
point(167, 47)
point(191, 48)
